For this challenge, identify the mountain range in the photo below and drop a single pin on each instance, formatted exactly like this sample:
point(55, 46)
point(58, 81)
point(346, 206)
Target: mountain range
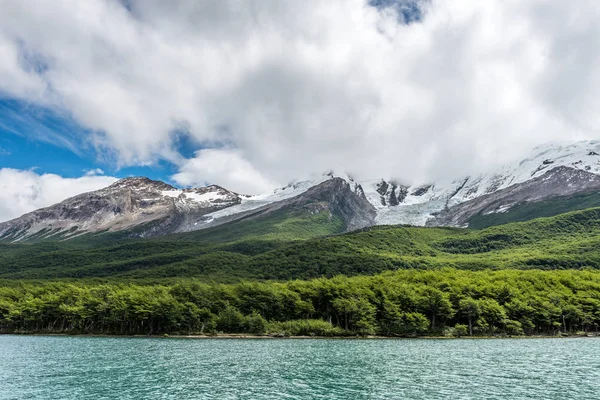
point(554, 178)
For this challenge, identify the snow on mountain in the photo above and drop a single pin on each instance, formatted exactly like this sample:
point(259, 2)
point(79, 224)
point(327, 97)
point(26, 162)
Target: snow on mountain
point(580, 155)
point(415, 205)
point(126, 204)
point(418, 203)
point(289, 191)
point(554, 182)
point(161, 208)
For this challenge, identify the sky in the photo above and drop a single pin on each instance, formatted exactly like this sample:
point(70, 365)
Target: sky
point(253, 94)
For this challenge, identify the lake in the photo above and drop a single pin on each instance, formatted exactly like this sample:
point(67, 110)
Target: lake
point(53, 367)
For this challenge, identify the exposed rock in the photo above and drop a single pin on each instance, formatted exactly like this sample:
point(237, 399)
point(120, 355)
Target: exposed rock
point(128, 203)
point(355, 210)
point(382, 187)
point(559, 181)
point(337, 195)
point(144, 207)
point(421, 190)
point(391, 194)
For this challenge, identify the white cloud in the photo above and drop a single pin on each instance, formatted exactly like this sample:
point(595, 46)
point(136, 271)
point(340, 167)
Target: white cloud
point(94, 172)
point(224, 167)
point(25, 191)
point(289, 88)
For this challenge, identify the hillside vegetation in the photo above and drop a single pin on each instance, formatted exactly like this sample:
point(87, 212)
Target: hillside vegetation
point(401, 303)
point(293, 246)
point(529, 211)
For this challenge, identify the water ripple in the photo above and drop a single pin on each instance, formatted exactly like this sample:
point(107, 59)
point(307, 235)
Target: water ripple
point(137, 368)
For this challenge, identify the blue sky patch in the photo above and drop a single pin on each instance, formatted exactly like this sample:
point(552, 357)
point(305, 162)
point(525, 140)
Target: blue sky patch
point(36, 137)
point(409, 11)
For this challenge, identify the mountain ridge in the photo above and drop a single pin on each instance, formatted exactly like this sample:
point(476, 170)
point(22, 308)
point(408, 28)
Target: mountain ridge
point(145, 207)
point(127, 203)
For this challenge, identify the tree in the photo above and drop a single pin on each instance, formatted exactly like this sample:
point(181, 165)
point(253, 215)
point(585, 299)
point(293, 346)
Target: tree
point(358, 314)
point(256, 323)
point(435, 303)
point(230, 320)
point(469, 308)
point(492, 314)
point(460, 330)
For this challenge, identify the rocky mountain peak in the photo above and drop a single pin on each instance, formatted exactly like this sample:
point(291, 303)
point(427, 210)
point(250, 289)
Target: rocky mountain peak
point(391, 193)
point(154, 207)
point(140, 182)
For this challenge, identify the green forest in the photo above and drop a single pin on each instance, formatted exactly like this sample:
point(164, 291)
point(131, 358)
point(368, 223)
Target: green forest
point(401, 303)
point(288, 251)
point(291, 277)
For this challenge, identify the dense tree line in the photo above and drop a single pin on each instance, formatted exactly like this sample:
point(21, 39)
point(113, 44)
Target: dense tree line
point(402, 303)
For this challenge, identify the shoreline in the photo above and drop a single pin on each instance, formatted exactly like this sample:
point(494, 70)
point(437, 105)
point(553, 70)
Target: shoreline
point(275, 337)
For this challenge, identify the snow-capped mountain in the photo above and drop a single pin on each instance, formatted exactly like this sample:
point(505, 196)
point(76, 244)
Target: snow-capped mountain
point(149, 208)
point(421, 204)
point(124, 205)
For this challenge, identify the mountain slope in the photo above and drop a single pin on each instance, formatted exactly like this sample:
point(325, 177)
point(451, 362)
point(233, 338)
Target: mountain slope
point(544, 208)
point(330, 203)
point(140, 207)
point(152, 207)
point(421, 204)
point(424, 203)
point(570, 240)
point(559, 181)
point(331, 207)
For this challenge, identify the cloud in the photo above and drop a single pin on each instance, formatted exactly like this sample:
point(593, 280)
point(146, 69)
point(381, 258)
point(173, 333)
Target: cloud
point(224, 167)
point(24, 191)
point(94, 172)
point(275, 90)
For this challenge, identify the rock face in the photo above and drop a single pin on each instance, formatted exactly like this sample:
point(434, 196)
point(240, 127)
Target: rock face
point(559, 181)
point(154, 207)
point(143, 207)
point(334, 195)
point(391, 193)
point(430, 203)
point(343, 198)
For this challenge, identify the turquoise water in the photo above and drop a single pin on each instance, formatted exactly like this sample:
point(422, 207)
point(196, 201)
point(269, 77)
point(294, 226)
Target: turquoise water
point(38, 367)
